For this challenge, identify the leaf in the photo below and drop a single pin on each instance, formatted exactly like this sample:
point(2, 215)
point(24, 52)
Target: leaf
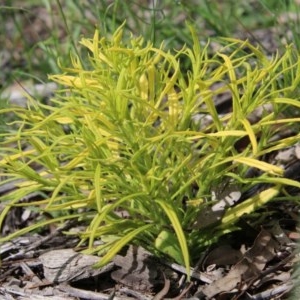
point(138, 269)
point(247, 269)
point(251, 135)
point(65, 265)
point(170, 212)
point(119, 244)
point(266, 167)
point(249, 205)
point(37, 226)
point(167, 243)
point(98, 193)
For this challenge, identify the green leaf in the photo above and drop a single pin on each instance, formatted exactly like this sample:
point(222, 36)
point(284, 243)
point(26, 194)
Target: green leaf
point(119, 244)
point(167, 243)
point(250, 205)
point(170, 212)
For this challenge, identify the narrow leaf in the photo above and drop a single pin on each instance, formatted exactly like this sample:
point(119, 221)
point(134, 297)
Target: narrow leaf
point(170, 212)
point(118, 245)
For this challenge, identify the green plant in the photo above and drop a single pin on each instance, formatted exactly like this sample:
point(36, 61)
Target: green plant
point(120, 148)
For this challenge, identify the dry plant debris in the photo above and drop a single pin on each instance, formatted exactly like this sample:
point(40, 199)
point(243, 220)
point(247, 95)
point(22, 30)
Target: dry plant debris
point(261, 271)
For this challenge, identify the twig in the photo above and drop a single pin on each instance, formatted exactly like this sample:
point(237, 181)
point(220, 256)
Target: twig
point(87, 294)
point(160, 295)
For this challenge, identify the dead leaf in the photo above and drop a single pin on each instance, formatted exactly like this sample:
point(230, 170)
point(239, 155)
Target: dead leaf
point(246, 271)
point(67, 265)
point(222, 256)
point(138, 269)
point(262, 251)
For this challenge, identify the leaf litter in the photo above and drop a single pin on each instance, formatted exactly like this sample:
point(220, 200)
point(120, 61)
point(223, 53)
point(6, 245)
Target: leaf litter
point(261, 271)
